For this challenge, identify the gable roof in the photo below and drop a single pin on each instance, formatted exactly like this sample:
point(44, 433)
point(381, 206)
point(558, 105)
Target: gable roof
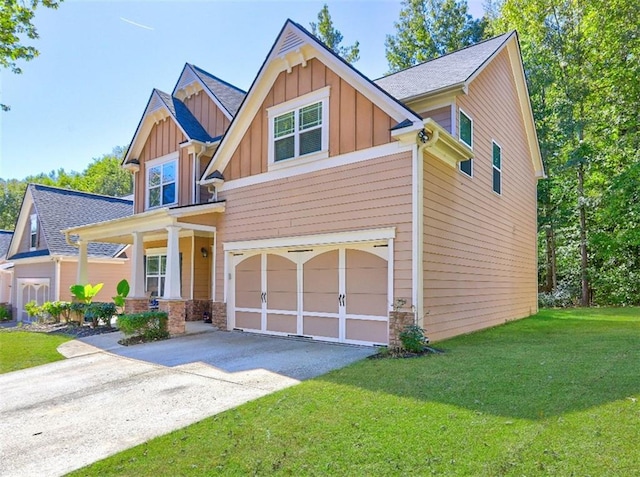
point(183, 117)
point(442, 73)
point(59, 209)
point(5, 240)
point(295, 45)
point(229, 96)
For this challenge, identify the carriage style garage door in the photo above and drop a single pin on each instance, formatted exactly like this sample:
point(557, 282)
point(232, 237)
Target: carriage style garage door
point(335, 293)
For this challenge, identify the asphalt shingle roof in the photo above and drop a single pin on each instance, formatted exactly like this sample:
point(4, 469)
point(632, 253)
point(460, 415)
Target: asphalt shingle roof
point(183, 116)
point(441, 72)
point(60, 209)
point(230, 96)
point(5, 240)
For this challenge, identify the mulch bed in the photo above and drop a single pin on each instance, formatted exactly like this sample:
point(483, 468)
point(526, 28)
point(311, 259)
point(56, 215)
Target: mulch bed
point(397, 353)
point(61, 329)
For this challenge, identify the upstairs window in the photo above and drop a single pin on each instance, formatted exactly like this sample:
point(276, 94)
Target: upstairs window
point(33, 241)
point(466, 137)
point(299, 128)
point(497, 169)
point(162, 184)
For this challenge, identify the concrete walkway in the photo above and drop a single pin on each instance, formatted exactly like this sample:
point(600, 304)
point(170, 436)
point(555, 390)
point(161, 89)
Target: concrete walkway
point(106, 398)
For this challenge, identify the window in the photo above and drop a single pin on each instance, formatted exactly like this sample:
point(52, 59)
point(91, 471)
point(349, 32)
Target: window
point(155, 272)
point(33, 242)
point(497, 168)
point(299, 128)
point(466, 136)
point(161, 184)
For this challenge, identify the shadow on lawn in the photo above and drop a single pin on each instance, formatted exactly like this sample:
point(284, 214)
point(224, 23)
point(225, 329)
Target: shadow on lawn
point(532, 368)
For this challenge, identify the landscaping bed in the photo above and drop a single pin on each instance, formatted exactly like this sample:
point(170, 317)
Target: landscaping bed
point(66, 329)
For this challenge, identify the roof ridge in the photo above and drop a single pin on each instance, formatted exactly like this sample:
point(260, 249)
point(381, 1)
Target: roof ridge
point(78, 192)
point(212, 76)
point(445, 55)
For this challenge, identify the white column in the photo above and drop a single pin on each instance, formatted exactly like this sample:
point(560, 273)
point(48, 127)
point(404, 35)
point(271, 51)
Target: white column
point(172, 289)
point(83, 263)
point(137, 267)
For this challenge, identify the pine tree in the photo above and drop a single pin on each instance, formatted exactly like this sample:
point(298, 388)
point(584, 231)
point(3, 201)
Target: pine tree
point(332, 38)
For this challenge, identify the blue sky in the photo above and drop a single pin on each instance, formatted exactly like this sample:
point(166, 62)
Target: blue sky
point(99, 61)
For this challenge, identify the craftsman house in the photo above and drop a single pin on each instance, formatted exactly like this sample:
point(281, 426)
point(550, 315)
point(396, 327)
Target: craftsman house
point(326, 205)
point(6, 268)
point(45, 264)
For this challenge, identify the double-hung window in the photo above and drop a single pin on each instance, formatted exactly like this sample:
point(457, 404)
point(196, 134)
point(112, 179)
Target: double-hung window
point(33, 240)
point(466, 136)
point(299, 128)
point(162, 184)
point(155, 272)
point(497, 168)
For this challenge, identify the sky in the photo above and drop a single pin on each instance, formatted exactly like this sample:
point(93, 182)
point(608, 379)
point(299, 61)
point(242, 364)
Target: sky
point(100, 60)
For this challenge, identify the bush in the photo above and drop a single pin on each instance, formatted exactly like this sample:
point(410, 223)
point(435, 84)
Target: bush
point(563, 296)
point(78, 308)
point(5, 314)
point(150, 325)
point(100, 311)
point(56, 309)
point(413, 339)
point(34, 310)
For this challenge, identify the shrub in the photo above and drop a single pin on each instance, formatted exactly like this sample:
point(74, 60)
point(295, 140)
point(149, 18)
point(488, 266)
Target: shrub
point(56, 309)
point(100, 311)
point(413, 339)
point(5, 314)
point(150, 325)
point(77, 308)
point(33, 310)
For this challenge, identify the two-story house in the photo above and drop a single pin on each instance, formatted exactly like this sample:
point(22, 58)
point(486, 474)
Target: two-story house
point(327, 205)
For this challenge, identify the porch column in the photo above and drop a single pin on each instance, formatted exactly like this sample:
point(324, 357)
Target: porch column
point(137, 267)
point(83, 263)
point(172, 289)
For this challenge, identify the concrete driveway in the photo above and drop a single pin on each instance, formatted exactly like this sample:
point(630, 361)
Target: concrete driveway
point(106, 398)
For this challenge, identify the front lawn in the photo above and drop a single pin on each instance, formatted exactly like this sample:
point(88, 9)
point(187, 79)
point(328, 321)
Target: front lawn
point(555, 394)
point(20, 349)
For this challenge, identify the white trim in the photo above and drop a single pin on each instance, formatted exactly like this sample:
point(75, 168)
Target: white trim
point(319, 96)
point(193, 265)
point(301, 166)
point(417, 236)
point(56, 291)
point(33, 218)
point(20, 283)
point(214, 265)
point(336, 238)
point(499, 169)
point(454, 126)
point(161, 161)
point(155, 251)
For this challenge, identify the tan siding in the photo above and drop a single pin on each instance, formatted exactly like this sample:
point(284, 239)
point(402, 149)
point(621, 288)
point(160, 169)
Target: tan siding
point(480, 248)
point(354, 122)
point(370, 194)
point(204, 109)
point(107, 273)
point(164, 138)
point(440, 115)
point(202, 269)
point(25, 241)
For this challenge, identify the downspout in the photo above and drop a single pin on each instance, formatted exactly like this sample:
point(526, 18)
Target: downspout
point(56, 290)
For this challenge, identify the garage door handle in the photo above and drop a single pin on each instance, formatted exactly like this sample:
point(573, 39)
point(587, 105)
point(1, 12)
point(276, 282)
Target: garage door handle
point(341, 299)
point(263, 297)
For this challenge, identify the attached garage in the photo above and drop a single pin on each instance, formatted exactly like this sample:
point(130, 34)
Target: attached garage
point(330, 292)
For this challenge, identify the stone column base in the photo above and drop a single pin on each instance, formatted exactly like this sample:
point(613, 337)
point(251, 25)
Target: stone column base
point(219, 315)
point(136, 305)
point(195, 309)
point(176, 310)
point(397, 322)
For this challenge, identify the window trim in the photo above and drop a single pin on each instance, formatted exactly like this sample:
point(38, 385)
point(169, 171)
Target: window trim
point(493, 167)
point(461, 113)
point(33, 244)
point(159, 275)
point(160, 161)
point(318, 96)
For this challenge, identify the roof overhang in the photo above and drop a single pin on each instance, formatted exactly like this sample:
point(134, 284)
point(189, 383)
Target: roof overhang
point(149, 222)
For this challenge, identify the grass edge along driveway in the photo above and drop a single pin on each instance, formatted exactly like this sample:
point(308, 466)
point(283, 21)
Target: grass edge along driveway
point(555, 394)
point(22, 349)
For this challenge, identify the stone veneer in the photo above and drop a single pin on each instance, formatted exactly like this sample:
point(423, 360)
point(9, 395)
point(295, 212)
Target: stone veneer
point(136, 305)
point(397, 322)
point(219, 315)
point(176, 310)
point(195, 309)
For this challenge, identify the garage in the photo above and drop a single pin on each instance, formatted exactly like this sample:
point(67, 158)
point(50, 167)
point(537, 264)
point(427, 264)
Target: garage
point(336, 293)
point(31, 289)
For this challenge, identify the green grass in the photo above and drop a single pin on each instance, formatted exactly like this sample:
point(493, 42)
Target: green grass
point(21, 349)
point(555, 394)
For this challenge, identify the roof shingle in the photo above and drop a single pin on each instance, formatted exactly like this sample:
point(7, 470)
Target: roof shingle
point(5, 240)
point(230, 96)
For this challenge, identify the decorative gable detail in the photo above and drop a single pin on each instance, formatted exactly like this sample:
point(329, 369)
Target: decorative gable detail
point(290, 42)
point(156, 110)
point(188, 85)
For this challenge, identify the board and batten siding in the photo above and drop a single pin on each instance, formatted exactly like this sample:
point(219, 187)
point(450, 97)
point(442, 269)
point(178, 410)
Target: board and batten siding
point(355, 123)
point(375, 193)
point(165, 137)
point(207, 113)
point(109, 274)
point(480, 256)
point(25, 240)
